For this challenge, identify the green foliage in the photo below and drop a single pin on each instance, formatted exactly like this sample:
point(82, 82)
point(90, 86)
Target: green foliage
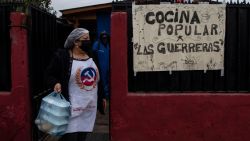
point(44, 4)
point(40, 3)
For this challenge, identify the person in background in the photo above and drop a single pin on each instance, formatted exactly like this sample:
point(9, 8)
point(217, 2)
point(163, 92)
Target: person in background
point(101, 50)
point(74, 73)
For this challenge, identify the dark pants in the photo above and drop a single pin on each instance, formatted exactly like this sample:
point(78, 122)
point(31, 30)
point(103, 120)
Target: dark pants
point(77, 136)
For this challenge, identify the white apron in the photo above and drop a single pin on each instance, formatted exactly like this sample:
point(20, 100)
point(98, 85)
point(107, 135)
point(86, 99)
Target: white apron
point(83, 95)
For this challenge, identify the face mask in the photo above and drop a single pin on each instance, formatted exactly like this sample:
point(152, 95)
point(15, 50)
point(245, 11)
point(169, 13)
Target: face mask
point(86, 45)
point(104, 40)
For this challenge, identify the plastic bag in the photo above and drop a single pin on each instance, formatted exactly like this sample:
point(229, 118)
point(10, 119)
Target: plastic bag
point(53, 115)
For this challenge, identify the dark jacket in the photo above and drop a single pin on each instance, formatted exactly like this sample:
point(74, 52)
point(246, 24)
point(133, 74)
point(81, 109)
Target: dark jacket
point(59, 71)
point(101, 52)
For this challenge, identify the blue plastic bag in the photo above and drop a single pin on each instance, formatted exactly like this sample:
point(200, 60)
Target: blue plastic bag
point(54, 114)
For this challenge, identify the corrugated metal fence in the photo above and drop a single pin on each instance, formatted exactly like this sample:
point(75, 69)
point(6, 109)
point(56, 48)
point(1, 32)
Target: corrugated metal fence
point(46, 34)
point(237, 59)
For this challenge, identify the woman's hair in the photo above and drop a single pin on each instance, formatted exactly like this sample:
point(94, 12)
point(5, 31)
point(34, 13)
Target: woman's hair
point(73, 36)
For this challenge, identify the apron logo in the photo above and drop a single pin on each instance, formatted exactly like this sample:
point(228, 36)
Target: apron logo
point(87, 78)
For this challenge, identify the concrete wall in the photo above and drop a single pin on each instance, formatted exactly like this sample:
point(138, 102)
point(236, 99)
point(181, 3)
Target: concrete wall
point(170, 117)
point(15, 116)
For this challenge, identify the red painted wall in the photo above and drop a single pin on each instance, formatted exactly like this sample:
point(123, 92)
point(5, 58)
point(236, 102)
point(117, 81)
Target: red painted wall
point(15, 123)
point(170, 117)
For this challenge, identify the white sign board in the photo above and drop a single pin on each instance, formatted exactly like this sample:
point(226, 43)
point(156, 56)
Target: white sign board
point(170, 37)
